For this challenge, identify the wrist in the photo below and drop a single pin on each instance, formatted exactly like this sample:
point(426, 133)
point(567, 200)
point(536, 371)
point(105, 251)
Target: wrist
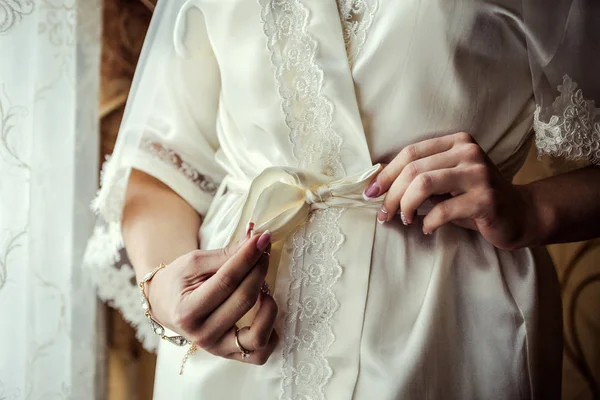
point(539, 216)
point(153, 289)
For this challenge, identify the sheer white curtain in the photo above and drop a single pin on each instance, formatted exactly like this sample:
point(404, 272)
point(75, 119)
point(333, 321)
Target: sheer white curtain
point(49, 57)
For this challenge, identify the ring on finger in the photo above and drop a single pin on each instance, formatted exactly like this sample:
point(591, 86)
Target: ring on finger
point(245, 352)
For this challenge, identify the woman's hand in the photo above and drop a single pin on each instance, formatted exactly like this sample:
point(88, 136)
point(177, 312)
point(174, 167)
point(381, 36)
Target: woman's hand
point(202, 294)
point(480, 198)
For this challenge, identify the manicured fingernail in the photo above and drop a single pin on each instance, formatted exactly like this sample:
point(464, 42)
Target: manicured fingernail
point(263, 241)
point(372, 190)
point(265, 289)
point(249, 229)
point(382, 215)
point(404, 219)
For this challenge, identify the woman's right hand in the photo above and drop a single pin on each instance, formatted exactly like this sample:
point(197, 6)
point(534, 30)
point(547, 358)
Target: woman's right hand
point(202, 294)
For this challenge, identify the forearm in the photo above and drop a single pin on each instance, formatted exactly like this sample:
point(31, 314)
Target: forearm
point(566, 207)
point(158, 225)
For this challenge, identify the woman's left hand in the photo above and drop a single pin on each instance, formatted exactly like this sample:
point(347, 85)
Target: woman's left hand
point(480, 197)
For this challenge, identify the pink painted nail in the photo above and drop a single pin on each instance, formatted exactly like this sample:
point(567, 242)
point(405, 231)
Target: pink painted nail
point(404, 219)
point(382, 215)
point(265, 289)
point(372, 190)
point(263, 241)
point(249, 229)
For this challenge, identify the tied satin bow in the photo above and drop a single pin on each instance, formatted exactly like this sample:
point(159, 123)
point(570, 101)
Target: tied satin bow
point(280, 199)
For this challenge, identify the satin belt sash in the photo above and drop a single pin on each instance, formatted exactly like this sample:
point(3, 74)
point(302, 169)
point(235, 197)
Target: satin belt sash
point(281, 199)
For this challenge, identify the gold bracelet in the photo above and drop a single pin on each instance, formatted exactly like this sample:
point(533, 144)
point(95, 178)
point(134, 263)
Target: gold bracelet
point(157, 328)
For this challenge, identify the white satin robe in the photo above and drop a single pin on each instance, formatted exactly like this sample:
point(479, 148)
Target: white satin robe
point(367, 311)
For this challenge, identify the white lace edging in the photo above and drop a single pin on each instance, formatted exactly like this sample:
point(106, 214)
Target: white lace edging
point(114, 280)
point(105, 258)
point(573, 129)
point(308, 113)
point(174, 160)
point(311, 304)
point(357, 17)
point(311, 301)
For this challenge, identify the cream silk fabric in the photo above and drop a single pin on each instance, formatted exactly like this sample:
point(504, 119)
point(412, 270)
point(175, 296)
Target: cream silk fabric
point(280, 200)
point(279, 111)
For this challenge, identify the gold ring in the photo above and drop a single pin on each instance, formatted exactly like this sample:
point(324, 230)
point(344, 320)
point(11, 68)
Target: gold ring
point(245, 352)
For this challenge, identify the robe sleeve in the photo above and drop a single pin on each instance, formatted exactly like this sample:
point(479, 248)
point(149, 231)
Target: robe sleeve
point(563, 42)
point(169, 126)
point(169, 132)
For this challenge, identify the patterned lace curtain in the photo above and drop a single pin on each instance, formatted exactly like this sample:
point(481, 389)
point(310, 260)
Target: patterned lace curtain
point(49, 57)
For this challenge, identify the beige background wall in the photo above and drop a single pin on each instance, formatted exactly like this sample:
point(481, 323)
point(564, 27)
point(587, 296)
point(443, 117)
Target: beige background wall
point(130, 369)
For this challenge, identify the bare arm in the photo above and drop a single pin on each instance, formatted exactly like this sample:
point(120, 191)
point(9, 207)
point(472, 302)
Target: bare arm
point(158, 225)
point(567, 207)
point(200, 294)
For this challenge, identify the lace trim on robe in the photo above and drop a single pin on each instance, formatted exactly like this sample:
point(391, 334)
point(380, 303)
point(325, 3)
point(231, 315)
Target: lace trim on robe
point(573, 129)
point(114, 280)
point(174, 160)
point(311, 302)
point(105, 257)
point(308, 113)
point(357, 17)
point(307, 335)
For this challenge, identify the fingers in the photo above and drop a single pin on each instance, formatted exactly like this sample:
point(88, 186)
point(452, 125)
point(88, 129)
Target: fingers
point(255, 337)
point(462, 207)
point(260, 338)
point(457, 180)
point(410, 154)
point(234, 307)
point(449, 165)
point(453, 180)
point(219, 287)
point(259, 334)
point(257, 357)
point(447, 159)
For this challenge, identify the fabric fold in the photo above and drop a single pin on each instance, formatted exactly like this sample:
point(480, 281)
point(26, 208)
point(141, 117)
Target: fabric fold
point(280, 199)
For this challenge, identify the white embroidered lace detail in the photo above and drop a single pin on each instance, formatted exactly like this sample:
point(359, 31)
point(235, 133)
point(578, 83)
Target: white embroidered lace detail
point(308, 113)
point(572, 130)
point(105, 259)
point(357, 17)
point(174, 160)
point(114, 280)
point(311, 301)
